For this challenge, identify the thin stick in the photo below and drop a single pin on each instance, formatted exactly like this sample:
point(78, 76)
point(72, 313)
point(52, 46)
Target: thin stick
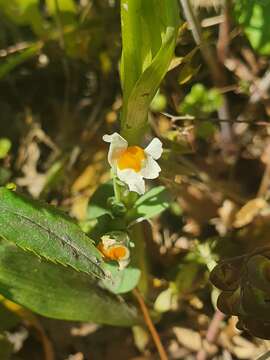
point(150, 325)
point(265, 182)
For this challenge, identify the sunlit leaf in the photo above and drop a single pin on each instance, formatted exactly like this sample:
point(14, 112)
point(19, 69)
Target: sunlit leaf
point(254, 15)
point(47, 232)
point(57, 292)
point(121, 281)
point(5, 145)
point(150, 204)
point(149, 31)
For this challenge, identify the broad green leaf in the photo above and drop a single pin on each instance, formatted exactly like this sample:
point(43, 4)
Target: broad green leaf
point(98, 204)
point(48, 232)
point(254, 16)
point(57, 292)
point(150, 204)
point(149, 31)
point(122, 281)
point(12, 61)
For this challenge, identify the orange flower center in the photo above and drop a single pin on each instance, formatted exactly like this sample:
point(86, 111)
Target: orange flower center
point(113, 252)
point(131, 158)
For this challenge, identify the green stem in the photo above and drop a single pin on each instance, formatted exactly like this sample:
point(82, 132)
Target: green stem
point(116, 188)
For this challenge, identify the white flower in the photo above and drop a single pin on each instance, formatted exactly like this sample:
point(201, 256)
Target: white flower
point(112, 249)
point(132, 164)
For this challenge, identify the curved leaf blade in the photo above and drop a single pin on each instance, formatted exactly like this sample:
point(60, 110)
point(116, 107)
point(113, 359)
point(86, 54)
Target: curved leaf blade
point(56, 292)
point(47, 232)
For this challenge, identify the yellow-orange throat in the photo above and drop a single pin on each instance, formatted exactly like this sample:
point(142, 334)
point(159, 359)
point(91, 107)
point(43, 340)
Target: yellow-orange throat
point(116, 252)
point(131, 158)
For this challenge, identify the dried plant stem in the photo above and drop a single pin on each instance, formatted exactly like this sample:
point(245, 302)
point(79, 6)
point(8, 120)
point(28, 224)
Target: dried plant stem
point(212, 333)
point(265, 182)
point(211, 60)
point(150, 325)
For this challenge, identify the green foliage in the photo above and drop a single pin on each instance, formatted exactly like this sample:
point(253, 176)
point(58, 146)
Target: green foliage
point(150, 204)
point(13, 61)
point(201, 102)
point(121, 281)
point(24, 12)
point(159, 103)
point(47, 232)
point(149, 31)
point(98, 205)
point(253, 16)
point(245, 286)
point(5, 145)
point(57, 292)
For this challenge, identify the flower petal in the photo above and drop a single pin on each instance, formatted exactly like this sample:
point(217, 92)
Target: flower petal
point(134, 180)
point(154, 149)
point(117, 145)
point(151, 169)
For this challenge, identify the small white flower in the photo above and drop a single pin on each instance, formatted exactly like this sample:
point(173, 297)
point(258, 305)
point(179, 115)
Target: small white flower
point(132, 164)
point(112, 249)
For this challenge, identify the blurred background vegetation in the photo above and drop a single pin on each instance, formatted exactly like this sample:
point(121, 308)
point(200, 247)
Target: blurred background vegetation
point(60, 92)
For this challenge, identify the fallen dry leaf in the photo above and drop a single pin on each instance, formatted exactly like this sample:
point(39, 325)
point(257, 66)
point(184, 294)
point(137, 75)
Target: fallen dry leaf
point(248, 212)
point(188, 338)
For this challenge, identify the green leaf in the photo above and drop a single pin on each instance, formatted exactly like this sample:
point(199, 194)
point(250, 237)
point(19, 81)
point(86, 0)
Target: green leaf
point(150, 204)
point(149, 31)
point(122, 281)
point(48, 232)
point(98, 204)
point(15, 60)
point(24, 12)
point(56, 292)
point(63, 6)
point(5, 145)
point(254, 16)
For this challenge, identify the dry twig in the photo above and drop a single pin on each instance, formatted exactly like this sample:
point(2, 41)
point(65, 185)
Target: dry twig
point(150, 325)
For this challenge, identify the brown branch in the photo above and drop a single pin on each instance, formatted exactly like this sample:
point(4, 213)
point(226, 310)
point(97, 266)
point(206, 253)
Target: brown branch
point(150, 325)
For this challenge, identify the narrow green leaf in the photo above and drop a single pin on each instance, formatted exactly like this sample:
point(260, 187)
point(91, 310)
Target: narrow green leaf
point(62, 293)
point(148, 47)
point(47, 232)
point(15, 60)
point(150, 204)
